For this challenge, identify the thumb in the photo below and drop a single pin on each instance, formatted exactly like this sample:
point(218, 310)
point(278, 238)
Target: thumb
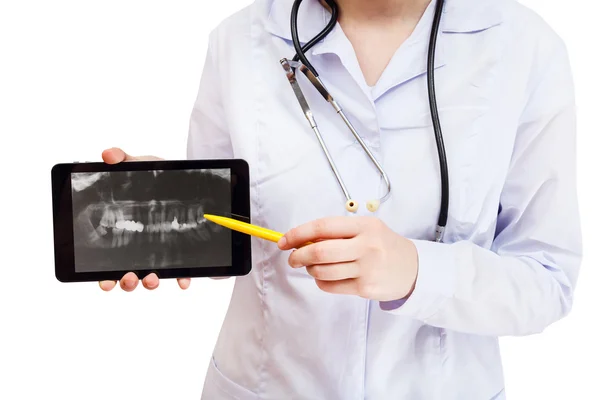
point(115, 156)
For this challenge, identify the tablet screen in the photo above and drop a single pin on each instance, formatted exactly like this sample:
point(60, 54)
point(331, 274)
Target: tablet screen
point(131, 220)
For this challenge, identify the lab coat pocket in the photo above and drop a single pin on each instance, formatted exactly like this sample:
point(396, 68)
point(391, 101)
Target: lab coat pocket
point(415, 154)
point(462, 132)
point(218, 386)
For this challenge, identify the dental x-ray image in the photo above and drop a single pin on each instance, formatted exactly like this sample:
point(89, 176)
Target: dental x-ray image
point(150, 219)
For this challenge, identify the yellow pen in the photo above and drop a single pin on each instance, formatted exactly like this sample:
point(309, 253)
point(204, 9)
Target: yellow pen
point(245, 227)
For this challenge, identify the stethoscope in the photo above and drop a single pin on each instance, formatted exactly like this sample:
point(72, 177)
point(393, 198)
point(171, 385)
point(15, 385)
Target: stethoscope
point(301, 62)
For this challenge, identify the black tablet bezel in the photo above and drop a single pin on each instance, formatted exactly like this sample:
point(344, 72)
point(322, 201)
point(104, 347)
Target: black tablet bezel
point(64, 250)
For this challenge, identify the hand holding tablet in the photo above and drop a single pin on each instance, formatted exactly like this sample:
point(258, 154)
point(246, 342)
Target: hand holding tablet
point(130, 280)
point(115, 221)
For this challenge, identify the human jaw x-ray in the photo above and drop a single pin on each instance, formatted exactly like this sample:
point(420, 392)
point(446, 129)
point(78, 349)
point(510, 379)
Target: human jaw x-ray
point(164, 222)
point(150, 219)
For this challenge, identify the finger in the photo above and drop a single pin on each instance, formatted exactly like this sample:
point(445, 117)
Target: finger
point(324, 228)
point(184, 283)
point(325, 252)
point(334, 272)
point(347, 286)
point(151, 281)
point(107, 286)
point(129, 282)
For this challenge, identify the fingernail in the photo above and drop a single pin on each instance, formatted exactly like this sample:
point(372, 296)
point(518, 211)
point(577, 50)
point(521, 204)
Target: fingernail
point(282, 242)
point(128, 284)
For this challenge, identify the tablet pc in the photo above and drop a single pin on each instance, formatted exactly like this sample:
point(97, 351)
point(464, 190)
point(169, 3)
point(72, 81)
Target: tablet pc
point(147, 216)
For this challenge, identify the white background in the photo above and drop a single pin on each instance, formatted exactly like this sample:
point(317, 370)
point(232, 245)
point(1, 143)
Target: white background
point(77, 77)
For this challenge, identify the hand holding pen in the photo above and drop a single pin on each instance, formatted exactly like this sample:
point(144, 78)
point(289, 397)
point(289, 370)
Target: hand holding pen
point(346, 255)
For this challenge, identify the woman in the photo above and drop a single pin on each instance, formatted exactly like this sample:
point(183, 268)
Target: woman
point(377, 308)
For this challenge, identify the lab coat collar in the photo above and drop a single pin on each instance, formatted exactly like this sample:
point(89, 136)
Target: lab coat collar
point(460, 16)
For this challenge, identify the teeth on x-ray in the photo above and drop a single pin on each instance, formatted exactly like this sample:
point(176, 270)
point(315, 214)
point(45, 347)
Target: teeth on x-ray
point(154, 221)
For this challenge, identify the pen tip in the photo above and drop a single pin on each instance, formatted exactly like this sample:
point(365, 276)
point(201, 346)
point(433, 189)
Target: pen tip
point(209, 217)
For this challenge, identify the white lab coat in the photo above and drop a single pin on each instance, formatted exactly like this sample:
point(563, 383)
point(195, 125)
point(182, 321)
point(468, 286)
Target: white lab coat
point(511, 252)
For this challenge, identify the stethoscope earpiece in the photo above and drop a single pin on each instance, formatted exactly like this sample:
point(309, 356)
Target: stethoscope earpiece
point(351, 206)
point(373, 205)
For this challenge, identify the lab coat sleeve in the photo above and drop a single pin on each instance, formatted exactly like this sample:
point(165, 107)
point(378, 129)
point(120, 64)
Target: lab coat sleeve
point(208, 136)
point(525, 282)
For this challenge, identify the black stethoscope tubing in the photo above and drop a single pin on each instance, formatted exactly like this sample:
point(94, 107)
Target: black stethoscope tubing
point(300, 56)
